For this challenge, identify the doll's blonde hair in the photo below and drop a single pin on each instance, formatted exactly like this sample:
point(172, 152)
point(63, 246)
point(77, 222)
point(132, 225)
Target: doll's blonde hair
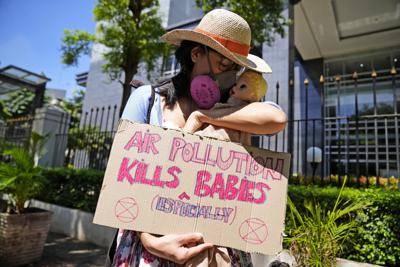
point(255, 81)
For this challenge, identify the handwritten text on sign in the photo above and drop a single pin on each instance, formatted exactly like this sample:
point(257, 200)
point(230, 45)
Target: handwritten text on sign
point(156, 175)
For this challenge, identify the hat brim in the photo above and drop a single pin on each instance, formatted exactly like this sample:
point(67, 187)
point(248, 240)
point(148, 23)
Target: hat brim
point(252, 62)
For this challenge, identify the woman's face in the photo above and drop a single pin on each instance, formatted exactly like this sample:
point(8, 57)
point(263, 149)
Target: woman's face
point(218, 62)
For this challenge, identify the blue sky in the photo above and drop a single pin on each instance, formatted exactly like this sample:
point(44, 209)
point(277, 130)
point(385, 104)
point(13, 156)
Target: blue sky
point(31, 34)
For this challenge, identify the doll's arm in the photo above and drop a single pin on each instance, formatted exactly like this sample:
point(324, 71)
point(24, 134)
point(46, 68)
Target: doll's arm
point(256, 118)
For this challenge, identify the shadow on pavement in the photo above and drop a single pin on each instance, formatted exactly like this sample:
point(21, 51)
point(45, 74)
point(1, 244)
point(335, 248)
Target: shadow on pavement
point(64, 251)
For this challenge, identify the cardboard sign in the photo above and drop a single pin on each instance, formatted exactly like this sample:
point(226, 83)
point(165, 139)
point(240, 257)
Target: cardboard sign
point(165, 181)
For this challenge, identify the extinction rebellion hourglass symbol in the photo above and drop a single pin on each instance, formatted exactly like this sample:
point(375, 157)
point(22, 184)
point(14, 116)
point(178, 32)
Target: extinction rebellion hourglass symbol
point(126, 209)
point(253, 231)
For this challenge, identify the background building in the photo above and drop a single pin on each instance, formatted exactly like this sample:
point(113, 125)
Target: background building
point(335, 74)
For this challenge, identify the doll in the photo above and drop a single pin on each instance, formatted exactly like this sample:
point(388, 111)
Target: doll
point(250, 87)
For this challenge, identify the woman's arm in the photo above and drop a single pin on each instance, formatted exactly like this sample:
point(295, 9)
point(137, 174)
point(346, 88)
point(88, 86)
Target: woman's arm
point(255, 118)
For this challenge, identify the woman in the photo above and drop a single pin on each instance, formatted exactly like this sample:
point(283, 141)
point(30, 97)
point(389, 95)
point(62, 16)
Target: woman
point(216, 47)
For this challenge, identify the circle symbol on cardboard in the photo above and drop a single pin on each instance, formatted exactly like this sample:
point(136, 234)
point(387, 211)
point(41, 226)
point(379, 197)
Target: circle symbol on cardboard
point(253, 231)
point(126, 209)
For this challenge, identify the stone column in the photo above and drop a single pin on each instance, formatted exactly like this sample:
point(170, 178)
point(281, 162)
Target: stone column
point(53, 123)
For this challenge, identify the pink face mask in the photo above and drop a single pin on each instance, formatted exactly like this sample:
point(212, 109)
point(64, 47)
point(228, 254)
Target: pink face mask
point(204, 91)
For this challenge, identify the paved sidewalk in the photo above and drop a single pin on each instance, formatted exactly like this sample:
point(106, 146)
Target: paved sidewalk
point(63, 251)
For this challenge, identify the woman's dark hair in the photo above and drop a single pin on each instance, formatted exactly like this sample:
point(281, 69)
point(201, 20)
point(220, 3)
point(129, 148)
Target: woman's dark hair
point(278, 263)
point(180, 82)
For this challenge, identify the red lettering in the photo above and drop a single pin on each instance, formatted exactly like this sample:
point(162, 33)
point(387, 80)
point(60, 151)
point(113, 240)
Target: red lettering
point(207, 158)
point(124, 170)
point(240, 157)
point(173, 171)
point(231, 191)
point(260, 187)
point(249, 191)
point(135, 141)
point(187, 153)
point(218, 186)
point(196, 154)
point(269, 173)
point(242, 190)
point(224, 165)
point(256, 167)
point(177, 143)
point(201, 189)
point(148, 142)
point(156, 177)
point(141, 172)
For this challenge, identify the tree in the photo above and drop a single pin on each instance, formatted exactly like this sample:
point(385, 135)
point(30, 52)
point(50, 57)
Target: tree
point(73, 107)
point(4, 114)
point(264, 17)
point(19, 103)
point(130, 30)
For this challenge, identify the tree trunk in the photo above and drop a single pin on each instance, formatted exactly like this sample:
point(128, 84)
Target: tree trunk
point(126, 92)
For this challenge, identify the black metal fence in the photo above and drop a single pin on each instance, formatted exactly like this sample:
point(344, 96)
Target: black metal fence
point(353, 146)
point(89, 142)
point(365, 144)
point(16, 132)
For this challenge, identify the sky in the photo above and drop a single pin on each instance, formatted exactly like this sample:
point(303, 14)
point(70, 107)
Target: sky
point(31, 34)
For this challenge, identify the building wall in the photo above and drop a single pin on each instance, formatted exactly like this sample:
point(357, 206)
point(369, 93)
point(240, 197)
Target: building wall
point(276, 55)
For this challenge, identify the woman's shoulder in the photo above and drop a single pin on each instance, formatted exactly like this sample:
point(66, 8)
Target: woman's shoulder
point(137, 105)
point(142, 91)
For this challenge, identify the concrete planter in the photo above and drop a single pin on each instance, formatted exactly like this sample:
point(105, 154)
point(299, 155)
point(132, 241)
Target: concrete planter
point(77, 224)
point(22, 236)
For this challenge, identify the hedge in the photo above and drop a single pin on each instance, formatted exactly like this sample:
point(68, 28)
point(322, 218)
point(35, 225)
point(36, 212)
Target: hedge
point(377, 239)
point(73, 188)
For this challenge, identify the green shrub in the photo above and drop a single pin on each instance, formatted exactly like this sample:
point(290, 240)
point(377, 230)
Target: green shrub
point(72, 188)
point(316, 236)
point(377, 239)
point(19, 179)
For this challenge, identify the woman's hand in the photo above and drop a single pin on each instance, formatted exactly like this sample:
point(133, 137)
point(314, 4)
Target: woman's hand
point(174, 247)
point(193, 123)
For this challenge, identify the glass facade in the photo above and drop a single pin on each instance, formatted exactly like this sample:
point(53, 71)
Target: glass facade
point(183, 12)
point(362, 105)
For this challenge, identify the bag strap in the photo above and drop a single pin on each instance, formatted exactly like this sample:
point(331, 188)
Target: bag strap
point(151, 104)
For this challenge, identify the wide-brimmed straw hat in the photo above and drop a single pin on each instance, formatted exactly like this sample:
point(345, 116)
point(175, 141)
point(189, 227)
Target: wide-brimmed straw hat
point(225, 32)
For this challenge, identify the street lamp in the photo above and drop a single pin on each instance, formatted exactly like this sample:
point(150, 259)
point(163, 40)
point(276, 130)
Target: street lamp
point(314, 157)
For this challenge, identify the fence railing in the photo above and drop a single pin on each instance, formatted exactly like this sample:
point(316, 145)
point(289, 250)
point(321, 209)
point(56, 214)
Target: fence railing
point(352, 146)
point(16, 132)
point(357, 146)
point(89, 143)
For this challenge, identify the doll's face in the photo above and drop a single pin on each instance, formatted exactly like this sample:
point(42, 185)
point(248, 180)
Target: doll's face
point(241, 90)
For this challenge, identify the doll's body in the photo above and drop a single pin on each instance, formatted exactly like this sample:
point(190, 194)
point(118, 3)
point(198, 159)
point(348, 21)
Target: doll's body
point(250, 87)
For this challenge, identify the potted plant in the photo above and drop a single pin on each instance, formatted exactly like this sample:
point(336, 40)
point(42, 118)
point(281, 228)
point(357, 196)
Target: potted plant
point(23, 230)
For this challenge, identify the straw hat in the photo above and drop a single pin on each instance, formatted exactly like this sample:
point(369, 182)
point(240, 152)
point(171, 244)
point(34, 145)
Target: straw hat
point(225, 32)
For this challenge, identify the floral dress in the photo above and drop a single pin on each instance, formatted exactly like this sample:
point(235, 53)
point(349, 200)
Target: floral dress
point(131, 253)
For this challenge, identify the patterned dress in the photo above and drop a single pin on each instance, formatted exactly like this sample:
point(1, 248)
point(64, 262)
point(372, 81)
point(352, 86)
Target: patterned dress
point(131, 253)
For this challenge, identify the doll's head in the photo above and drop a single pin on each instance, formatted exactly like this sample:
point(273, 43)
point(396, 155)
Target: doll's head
point(250, 86)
